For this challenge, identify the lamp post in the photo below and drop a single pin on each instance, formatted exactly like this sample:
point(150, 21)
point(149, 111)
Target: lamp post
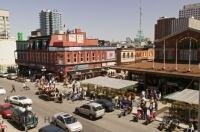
point(164, 55)
point(61, 73)
point(176, 56)
point(153, 55)
point(190, 54)
point(43, 69)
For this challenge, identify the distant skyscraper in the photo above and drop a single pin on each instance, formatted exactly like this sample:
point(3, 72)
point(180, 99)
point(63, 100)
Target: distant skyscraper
point(50, 22)
point(191, 10)
point(4, 24)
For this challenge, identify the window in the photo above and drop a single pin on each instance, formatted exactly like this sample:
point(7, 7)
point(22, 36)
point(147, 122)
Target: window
point(131, 54)
point(81, 57)
point(87, 57)
point(75, 57)
point(86, 107)
point(68, 57)
point(102, 55)
point(93, 56)
point(124, 55)
point(128, 55)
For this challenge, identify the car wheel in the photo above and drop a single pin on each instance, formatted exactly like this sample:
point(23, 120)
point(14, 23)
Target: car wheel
point(91, 117)
point(20, 104)
point(67, 130)
point(77, 112)
point(55, 123)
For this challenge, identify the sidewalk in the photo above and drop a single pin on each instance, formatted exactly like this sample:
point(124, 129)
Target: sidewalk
point(10, 127)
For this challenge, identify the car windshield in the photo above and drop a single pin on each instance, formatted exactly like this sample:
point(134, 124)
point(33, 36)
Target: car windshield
point(97, 108)
point(108, 103)
point(6, 107)
point(70, 120)
point(22, 97)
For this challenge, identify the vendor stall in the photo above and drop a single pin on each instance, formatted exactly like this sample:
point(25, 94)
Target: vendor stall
point(109, 86)
point(184, 104)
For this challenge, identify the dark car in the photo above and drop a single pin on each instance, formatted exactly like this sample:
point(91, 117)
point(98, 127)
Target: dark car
point(51, 128)
point(107, 105)
point(23, 118)
point(5, 110)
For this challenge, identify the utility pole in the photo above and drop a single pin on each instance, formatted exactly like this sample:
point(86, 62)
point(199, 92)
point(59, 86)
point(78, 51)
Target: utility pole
point(140, 26)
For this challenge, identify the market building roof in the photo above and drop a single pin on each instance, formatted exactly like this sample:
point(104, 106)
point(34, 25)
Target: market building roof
point(187, 96)
point(109, 82)
point(147, 67)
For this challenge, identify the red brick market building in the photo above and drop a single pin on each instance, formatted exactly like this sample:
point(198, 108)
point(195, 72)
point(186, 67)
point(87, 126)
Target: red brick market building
point(63, 53)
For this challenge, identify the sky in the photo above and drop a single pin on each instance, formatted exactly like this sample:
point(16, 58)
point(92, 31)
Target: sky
point(112, 20)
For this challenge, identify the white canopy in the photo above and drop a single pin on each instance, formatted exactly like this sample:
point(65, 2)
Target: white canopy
point(188, 96)
point(109, 82)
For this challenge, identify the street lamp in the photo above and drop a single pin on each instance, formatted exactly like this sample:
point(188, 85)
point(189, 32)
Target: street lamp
point(164, 55)
point(43, 69)
point(61, 73)
point(153, 55)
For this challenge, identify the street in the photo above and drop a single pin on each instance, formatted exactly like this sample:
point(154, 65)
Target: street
point(45, 109)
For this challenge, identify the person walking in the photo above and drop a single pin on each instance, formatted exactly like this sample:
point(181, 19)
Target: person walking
point(3, 126)
point(13, 88)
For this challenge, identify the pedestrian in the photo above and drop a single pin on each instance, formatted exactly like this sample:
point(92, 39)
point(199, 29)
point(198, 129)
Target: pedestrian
point(145, 110)
point(156, 104)
point(13, 88)
point(3, 126)
point(151, 105)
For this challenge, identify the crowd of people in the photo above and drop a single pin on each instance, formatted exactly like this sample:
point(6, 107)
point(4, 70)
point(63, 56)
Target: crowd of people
point(149, 102)
point(48, 87)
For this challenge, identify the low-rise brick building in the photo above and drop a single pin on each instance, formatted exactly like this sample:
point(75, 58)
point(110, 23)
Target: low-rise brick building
point(62, 53)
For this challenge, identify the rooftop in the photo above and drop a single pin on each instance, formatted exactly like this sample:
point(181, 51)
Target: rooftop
point(187, 96)
point(109, 82)
point(182, 69)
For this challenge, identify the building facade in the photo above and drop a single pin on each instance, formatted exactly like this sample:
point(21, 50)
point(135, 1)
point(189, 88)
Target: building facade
point(63, 53)
point(191, 10)
point(7, 58)
point(4, 24)
point(50, 22)
point(129, 55)
point(182, 45)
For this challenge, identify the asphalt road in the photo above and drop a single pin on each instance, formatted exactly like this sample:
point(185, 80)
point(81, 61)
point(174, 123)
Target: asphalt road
point(45, 109)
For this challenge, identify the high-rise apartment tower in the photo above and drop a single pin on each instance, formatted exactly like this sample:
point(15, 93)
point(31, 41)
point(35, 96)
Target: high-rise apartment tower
point(4, 24)
point(50, 22)
point(191, 10)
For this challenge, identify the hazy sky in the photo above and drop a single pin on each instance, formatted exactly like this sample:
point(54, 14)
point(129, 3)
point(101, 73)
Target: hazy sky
point(103, 19)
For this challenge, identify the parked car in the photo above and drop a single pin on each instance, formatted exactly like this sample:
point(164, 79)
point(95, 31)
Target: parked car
point(107, 105)
point(5, 110)
point(24, 118)
point(67, 122)
point(12, 76)
point(3, 75)
point(93, 110)
point(2, 91)
point(19, 100)
point(51, 128)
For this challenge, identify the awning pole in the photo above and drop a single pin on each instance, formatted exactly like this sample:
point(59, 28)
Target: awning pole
point(199, 110)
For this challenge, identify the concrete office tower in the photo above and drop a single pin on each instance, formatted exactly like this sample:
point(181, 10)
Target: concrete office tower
point(4, 24)
point(191, 10)
point(50, 22)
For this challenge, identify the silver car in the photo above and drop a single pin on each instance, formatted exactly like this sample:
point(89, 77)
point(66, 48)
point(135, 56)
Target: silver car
point(67, 122)
point(92, 110)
